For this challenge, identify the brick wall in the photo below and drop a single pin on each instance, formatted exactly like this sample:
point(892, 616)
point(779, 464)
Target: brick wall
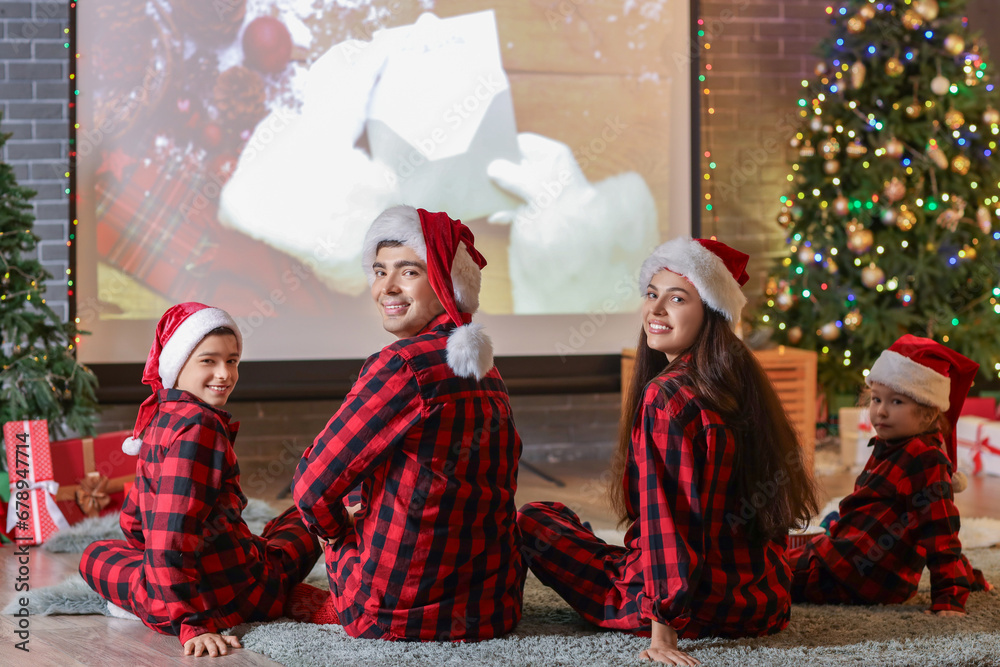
point(34, 70)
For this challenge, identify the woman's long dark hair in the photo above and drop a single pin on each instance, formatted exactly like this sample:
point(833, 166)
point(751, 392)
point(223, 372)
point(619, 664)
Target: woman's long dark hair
point(728, 379)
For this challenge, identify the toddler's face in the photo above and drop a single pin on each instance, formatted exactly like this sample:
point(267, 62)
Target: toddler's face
point(894, 415)
point(211, 372)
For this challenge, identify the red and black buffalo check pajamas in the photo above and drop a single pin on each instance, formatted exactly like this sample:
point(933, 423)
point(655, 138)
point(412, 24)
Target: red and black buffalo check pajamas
point(687, 561)
point(189, 564)
point(900, 517)
point(434, 552)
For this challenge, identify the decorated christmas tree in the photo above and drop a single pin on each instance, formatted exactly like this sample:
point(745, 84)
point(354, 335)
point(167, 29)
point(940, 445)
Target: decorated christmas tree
point(39, 375)
point(893, 202)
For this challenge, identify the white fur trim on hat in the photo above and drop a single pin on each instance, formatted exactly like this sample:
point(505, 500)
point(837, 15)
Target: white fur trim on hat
point(402, 223)
point(703, 268)
point(902, 374)
point(187, 336)
point(470, 351)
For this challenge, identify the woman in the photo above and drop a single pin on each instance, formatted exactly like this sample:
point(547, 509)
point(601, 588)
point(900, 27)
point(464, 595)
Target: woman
point(712, 475)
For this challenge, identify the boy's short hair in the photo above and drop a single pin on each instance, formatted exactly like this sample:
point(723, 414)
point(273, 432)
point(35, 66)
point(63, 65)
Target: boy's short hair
point(221, 331)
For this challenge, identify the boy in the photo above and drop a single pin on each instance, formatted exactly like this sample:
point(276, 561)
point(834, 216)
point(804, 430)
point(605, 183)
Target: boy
point(901, 515)
point(189, 566)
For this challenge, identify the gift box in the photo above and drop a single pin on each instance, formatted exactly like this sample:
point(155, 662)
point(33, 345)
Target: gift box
point(968, 434)
point(32, 513)
point(92, 474)
point(855, 433)
point(986, 458)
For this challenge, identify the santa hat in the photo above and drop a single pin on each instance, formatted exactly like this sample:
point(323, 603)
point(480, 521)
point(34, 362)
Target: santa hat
point(716, 270)
point(454, 271)
point(178, 333)
point(930, 374)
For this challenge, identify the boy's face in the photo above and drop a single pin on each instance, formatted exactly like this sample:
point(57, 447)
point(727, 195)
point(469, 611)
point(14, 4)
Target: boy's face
point(894, 415)
point(672, 313)
point(211, 372)
point(402, 292)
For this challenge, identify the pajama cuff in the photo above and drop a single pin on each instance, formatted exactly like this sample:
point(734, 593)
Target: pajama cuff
point(947, 604)
point(192, 631)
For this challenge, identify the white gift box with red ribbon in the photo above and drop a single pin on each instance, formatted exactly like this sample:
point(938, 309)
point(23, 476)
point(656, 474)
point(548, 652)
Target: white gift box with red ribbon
point(32, 513)
point(984, 445)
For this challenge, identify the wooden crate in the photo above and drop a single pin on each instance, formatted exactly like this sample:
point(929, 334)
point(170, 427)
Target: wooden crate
point(793, 373)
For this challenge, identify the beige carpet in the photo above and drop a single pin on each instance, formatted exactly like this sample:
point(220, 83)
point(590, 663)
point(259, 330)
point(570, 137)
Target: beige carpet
point(552, 634)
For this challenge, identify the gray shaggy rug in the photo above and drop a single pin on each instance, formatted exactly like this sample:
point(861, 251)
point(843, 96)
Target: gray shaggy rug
point(551, 634)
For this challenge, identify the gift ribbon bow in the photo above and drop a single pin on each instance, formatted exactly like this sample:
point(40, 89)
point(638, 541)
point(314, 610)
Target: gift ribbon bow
point(981, 444)
point(51, 488)
point(92, 496)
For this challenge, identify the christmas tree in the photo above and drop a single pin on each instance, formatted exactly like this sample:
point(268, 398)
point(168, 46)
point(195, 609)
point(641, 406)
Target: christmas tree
point(39, 375)
point(891, 218)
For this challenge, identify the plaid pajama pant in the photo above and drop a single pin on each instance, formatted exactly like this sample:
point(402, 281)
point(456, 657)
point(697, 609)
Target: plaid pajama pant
point(112, 568)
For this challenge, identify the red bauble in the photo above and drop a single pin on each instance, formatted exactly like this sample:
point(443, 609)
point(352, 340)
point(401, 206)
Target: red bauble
point(211, 134)
point(267, 45)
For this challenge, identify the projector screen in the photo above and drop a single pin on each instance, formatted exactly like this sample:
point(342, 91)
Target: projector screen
point(234, 152)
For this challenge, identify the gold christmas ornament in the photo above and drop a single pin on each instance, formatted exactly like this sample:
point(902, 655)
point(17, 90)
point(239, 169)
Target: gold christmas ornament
point(867, 12)
point(894, 67)
point(984, 219)
point(784, 301)
point(960, 164)
point(954, 44)
point(912, 20)
point(906, 219)
point(872, 276)
point(860, 241)
point(856, 149)
point(858, 72)
point(840, 205)
point(807, 150)
point(784, 218)
point(852, 320)
point(970, 251)
point(831, 265)
point(830, 148)
point(906, 296)
point(954, 119)
point(913, 110)
point(772, 286)
point(928, 9)
point(991, 116)
point(794, 335)
point(940, 85)
point(855, 24)
point(894, 148)
point(831, 167)
point(829, 331)
point(894, 190)
point(937, 156)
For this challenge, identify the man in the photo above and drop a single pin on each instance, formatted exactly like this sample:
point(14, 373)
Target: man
point(427, 433)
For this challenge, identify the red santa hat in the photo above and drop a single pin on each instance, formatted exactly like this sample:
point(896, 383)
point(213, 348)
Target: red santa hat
point(454, 269)
point(178, 333)
point(716, 270)
point(930, 374)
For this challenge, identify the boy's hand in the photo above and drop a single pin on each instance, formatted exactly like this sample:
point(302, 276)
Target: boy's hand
point(211, 644)
point(945, 612)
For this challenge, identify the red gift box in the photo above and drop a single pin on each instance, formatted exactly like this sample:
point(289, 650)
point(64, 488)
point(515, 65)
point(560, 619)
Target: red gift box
point(32, 513)
point(92, 474)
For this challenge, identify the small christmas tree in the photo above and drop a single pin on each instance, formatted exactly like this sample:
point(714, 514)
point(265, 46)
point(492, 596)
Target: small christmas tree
point(39, 375)
point(891, 222)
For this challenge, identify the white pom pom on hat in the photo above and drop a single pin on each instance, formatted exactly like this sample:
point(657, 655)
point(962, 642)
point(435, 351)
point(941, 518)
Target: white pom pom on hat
point(454, 269)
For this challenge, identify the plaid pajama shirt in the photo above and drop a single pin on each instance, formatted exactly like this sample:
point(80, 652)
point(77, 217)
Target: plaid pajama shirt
point(189, 564)
point(900, 517)
point(687, 561)
point(434, 552)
